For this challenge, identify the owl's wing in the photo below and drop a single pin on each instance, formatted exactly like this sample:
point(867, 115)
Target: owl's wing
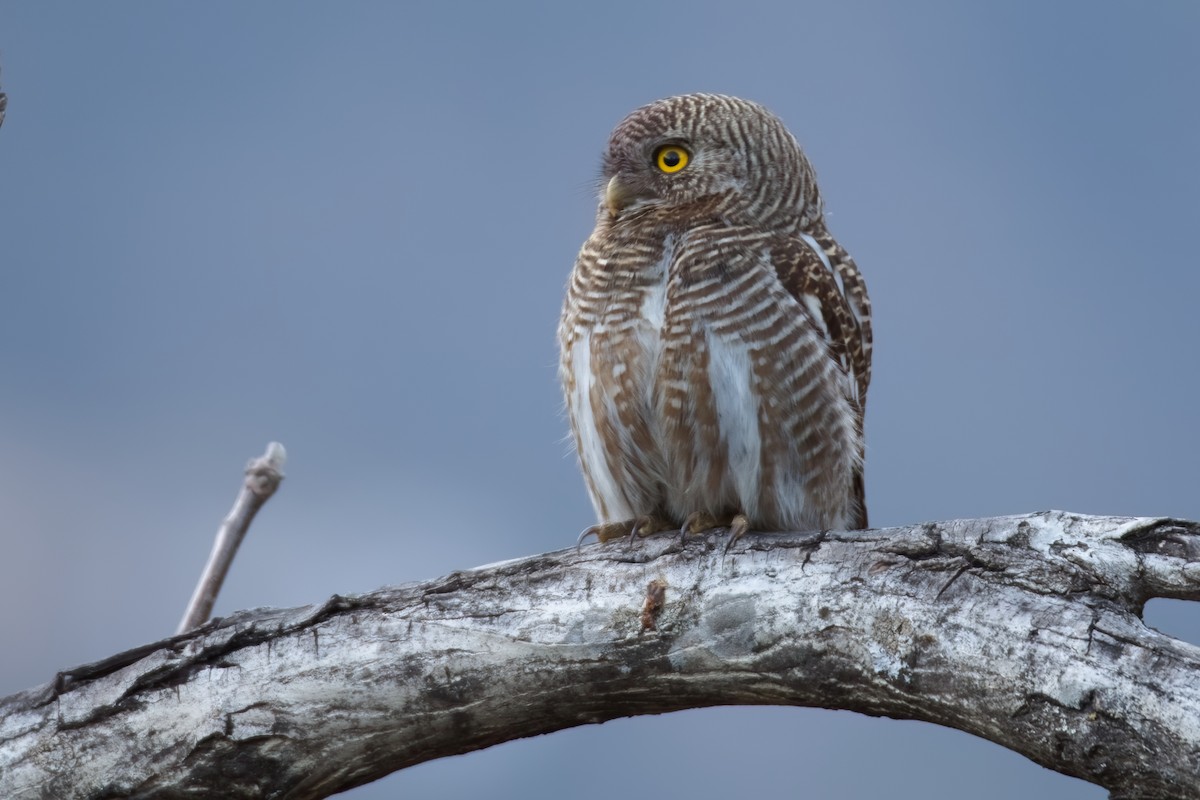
point(854, 289)
point(837, 297)
point(824, 279)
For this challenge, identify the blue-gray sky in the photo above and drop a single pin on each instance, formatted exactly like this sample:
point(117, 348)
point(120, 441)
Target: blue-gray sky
point(347, 227)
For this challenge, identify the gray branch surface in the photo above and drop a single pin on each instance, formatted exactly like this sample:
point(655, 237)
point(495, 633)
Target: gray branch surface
point(1023, 630)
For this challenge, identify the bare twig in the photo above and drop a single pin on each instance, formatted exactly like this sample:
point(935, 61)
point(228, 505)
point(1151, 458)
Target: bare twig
point(263, 476)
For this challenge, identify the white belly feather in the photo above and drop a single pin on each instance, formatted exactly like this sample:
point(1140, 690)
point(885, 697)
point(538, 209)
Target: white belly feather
point(730, 376)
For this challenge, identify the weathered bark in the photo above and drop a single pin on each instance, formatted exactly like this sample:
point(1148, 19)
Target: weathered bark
point(1024, 630)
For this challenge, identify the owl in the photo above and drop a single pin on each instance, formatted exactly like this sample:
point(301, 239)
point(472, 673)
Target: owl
point(715, 340)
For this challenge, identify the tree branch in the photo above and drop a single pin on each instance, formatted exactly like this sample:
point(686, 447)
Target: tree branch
point(1023, 630)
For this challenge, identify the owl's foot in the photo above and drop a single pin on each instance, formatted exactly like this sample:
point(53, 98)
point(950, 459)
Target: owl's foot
point(631, 528)
point(699, 521)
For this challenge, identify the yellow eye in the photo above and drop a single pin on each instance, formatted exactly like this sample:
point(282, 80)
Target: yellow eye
point(671, 158)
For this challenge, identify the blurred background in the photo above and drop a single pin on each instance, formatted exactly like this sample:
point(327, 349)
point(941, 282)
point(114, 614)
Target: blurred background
point(347, 227)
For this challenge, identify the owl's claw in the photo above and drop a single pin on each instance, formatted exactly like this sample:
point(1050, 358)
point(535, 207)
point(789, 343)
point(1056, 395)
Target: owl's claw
point(591, 530)
point(605, 532)
point(646, 525)
point(737, 528)
point(627, 529)
point(634, 528)
point(697, 521)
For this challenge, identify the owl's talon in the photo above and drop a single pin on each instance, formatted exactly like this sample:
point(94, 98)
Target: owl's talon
point(697, 521)
point(591, 530)
point(737, 528)
point(635, 530)
point(647, 525)
point(629, 529)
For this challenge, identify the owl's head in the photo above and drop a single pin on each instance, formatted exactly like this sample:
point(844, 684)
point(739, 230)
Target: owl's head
point(711, 155)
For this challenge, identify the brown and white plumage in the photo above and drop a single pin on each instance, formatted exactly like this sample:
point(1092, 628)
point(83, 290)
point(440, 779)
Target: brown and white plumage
point(715, 339)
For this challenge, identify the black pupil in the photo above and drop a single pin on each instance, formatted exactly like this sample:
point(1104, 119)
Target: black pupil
point(671, 158)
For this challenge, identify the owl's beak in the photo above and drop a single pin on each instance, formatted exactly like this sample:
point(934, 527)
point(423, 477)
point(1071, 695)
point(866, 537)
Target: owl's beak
point(617, 195)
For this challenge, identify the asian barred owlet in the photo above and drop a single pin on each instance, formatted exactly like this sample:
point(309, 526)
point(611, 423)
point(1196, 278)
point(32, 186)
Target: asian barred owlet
point(715, 340)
